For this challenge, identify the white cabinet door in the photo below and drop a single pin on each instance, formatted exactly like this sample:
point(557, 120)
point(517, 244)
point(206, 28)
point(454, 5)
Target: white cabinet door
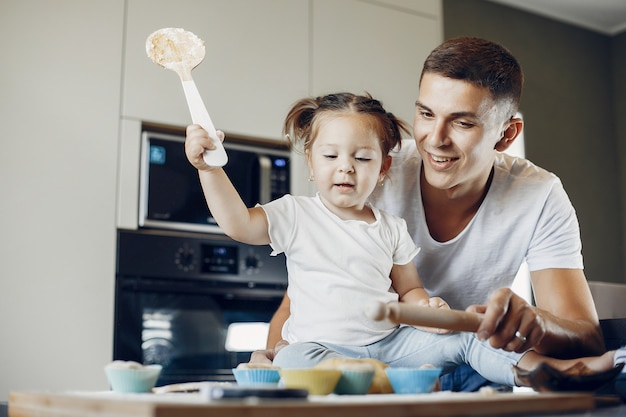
point(59, 111)
point(377, 47)
point(256, 62)
point(427, 8)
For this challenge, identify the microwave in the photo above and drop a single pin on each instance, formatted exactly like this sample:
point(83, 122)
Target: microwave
point(171, 197)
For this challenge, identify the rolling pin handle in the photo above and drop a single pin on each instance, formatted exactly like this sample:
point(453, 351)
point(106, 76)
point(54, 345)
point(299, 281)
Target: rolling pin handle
point(377, 311)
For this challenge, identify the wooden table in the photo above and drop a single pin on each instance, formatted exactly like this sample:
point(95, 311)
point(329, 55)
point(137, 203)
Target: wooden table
point(109, 404)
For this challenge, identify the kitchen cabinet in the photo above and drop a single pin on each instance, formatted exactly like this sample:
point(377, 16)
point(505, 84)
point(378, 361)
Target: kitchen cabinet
point(377, 47)
point(256, 62)
point(60, 108)
point(263, 55)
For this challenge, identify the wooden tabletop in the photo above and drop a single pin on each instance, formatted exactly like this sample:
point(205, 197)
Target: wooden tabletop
point(108, 404)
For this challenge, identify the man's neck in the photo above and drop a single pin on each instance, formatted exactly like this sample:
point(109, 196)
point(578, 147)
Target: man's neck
point(448, 212)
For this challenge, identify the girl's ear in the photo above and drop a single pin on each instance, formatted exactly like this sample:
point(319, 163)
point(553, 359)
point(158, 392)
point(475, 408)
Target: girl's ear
point(307, 153)
point(385, 167)
point(514, 128)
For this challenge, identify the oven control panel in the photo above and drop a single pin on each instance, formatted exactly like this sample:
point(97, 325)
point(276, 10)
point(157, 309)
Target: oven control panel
point(221, 259)
point(165, 254)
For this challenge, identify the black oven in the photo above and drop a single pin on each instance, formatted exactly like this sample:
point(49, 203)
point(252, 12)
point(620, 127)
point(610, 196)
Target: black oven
point(198, 304)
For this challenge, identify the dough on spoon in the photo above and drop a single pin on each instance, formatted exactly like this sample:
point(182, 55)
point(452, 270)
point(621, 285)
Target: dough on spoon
point(175, 47)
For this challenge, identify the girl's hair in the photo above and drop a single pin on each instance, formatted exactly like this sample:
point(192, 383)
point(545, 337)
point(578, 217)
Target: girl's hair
point(302, 121)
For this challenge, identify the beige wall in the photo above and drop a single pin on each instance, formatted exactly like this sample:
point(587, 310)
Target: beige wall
point(573, 97)
point(618, 56)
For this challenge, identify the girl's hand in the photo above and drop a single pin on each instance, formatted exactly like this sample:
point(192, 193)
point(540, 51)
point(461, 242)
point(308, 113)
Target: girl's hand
point(196, 143)
point(267, 356)
point(436, 302)
point(433, 302)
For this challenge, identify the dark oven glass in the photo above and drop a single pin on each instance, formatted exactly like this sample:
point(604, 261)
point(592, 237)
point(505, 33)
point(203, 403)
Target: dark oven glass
point(196, 330)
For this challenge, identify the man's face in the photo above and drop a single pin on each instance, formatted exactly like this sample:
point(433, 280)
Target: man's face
point(456, 128)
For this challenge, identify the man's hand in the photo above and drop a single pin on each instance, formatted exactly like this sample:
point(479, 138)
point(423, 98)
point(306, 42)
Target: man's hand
point(509, 322)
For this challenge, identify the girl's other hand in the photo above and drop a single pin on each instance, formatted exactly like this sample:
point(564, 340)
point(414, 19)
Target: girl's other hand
point(434, 302)
point(437, 302)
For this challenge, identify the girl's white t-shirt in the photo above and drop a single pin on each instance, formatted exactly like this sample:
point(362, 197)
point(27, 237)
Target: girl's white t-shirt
point(337, 269)
point(526, 216)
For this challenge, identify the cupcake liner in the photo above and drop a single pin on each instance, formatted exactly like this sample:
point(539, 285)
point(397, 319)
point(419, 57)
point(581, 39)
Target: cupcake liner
point(354, 382)
point(133, 380)
point(412, 380)
point(256, 376)
point(316, 381)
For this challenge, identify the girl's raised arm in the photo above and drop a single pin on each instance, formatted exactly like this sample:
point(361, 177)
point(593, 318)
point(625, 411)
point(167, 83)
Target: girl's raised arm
point(247, 225)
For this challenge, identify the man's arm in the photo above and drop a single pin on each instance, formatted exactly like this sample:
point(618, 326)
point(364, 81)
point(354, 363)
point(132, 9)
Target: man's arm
point(278, 320)
point(570, 315)
point(275, 341)
point(564, 322)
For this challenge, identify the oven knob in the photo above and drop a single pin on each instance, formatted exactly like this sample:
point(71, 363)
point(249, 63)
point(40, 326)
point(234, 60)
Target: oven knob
point(184, 259)
point(252, 264)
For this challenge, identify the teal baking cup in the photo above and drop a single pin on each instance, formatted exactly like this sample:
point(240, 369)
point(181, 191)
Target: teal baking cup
point(133, 379)
point(247, 377)
point(354, 381)
point(413, 380)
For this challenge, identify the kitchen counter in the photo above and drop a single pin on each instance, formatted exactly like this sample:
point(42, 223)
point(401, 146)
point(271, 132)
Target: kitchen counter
point(100, 404)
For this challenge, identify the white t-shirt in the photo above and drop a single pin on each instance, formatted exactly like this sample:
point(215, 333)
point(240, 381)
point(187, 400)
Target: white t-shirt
point(337, 269)
point(526, 215)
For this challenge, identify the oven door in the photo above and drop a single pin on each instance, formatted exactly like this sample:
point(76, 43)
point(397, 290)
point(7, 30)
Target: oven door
point(197, 330)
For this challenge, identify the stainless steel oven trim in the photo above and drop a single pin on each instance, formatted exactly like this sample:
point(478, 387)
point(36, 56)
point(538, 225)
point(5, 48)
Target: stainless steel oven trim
point(265, 193)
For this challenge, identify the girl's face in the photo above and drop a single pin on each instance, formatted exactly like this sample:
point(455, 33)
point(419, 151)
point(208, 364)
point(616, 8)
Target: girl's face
point(346, 162)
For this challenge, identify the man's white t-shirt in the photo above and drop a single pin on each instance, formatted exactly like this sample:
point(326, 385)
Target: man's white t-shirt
point(337, 269)
point(526, 215)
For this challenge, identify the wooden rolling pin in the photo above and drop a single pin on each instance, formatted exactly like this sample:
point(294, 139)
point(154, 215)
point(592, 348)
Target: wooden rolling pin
point(441, 318)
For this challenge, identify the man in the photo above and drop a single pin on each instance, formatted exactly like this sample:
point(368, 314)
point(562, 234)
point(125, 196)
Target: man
point(477, 214)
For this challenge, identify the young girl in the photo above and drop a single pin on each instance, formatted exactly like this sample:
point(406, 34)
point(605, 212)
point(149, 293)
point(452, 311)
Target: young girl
point(344, 255)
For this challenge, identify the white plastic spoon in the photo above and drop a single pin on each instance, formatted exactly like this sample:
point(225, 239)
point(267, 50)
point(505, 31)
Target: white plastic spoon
point(181, 51)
